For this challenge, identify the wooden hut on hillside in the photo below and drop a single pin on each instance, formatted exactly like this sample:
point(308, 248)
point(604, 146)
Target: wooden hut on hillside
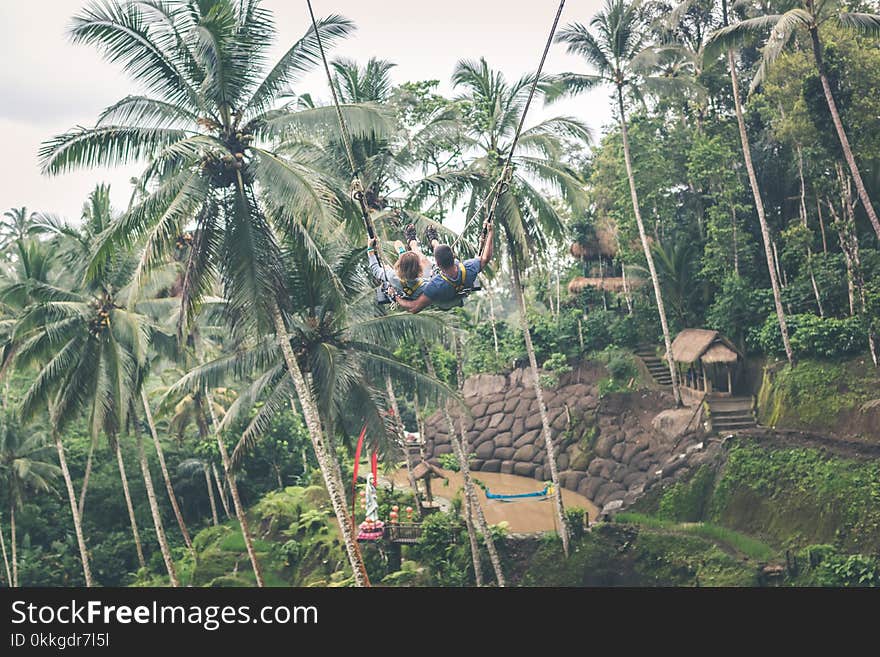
point(707, 362)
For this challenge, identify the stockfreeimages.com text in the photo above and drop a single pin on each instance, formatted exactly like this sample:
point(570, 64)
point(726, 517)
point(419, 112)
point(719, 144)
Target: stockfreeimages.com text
point(211, 617)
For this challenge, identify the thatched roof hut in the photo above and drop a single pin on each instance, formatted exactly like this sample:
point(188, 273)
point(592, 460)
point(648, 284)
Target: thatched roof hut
point(604, 243)
point(705, 345)
point(706, 360)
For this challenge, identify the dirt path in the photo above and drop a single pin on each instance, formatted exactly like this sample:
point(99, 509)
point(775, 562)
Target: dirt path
point(847, 448)
point(521, 516)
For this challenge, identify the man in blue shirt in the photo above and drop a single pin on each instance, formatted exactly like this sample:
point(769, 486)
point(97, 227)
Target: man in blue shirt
point(453, 276)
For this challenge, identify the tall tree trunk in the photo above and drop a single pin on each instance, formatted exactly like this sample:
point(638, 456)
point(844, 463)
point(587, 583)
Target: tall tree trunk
point(803, 213)
point(822, 226)
point(860, 281)
point(160, 454)
point(492, 320)
point(780, 270)
point(214, 518)
point(845, 228)
point(5, 558)
point(539, 394)
point(240, 513)
point(328, 470)
point(626, 295)
point(120, 462)
point(558, 296)
point(658, 295)
point(154, 504)
point(222, 491)
point(472, 534)
point(87, 475)
point(855, 259)
point(759, 207)
point(843, 237)
point(74, 510)
point(14, 541)
point(734, 230)
point(471, 502)
point(400, 431)
point(476, 508)
point(841, 133)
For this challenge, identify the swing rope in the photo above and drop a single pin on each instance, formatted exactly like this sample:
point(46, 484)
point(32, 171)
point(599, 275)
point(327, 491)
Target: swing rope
point(503, 183)
point(498, 188)
point(357, 187)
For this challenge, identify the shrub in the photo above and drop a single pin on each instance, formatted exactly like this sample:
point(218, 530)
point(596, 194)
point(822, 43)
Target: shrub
point(575, 518)
point(555, 365)
point(810, 335)
point(621, 365)
point(686, 501)
point(449, 462)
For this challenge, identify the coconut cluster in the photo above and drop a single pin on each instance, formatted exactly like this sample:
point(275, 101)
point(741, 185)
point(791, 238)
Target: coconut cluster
point(224, 167)
point(101, 319)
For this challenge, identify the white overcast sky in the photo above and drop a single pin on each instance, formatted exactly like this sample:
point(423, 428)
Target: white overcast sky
point(48, 85)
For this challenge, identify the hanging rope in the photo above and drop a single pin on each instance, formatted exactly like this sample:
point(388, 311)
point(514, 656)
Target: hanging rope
point(357, 187)
point(476, 213)
point(498, 189)
point(503, 183)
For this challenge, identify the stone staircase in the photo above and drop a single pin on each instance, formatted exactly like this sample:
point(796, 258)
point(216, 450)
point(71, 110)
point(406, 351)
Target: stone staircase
point(656, 366)
point(731, 414)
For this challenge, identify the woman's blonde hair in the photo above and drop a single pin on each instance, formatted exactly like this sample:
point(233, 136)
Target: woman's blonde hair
point(409, 266)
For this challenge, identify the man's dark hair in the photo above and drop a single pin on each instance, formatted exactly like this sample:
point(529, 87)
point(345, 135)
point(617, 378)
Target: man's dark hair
point(443, 256)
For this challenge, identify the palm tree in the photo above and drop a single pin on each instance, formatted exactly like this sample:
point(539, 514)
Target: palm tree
point(15, 226)
point(810, 15)
point(23, 469)
point(73, 245)
point(622, 39)
point(527, 219)
point(346, 344)
point(31, 279)
point(33, 271)
point(204, 129)
point(89, 349)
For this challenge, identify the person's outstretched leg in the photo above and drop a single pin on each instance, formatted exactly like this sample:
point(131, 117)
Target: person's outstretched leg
point(409, 232)
point(432, 237)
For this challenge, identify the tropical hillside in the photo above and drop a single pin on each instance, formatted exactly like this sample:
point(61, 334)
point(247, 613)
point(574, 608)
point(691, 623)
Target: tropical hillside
point(666, 376)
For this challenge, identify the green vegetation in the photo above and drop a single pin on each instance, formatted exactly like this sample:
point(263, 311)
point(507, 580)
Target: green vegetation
point(623, 555)
point(201, 361)
point(793, 497)
point(721, 536)
point(685, 501)
point(816, 395)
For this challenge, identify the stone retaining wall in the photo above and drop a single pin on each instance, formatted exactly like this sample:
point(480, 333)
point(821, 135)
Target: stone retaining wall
point(610, 449)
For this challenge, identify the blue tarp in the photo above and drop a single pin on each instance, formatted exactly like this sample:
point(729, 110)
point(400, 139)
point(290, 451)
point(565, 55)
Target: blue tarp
point(519, 496)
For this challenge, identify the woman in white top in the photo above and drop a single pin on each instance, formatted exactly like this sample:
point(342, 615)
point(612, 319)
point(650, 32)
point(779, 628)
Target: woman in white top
point(410, 273)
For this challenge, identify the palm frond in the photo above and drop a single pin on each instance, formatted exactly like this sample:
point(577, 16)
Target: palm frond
point(146, 112)
point(738, 34)
point(301, 57)
point(364, 121)
point(107, 146)
point(123, 35)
